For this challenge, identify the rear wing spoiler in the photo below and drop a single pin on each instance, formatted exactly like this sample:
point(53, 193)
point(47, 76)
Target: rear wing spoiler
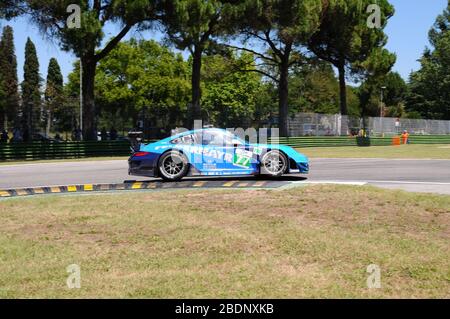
point(136, 140)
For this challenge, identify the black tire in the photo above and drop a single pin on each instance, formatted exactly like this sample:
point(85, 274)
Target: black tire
point(173, 166)
point(274, 163)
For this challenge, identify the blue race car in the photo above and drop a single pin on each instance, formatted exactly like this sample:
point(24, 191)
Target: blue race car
point(213, 152)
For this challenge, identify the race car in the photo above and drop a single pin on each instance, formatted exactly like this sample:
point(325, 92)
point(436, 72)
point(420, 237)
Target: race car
point(213, 152)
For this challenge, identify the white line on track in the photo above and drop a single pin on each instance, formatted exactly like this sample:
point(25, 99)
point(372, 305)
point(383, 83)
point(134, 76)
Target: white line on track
point(362, 183)
point(407, 182)
point(332, 183)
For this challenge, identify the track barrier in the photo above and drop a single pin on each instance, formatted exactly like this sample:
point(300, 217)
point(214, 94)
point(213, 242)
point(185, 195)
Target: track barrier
point(70, 150)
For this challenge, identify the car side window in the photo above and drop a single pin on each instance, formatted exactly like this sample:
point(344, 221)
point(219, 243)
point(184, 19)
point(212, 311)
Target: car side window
point(184, 140)
point(215, 138)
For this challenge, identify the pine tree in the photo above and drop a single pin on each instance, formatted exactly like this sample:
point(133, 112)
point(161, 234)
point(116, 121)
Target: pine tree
point(8, 74)
point(2, 104)
point(345, 40)
point(281, 27)
point(53, 92)
point(51, 17)
point(193, 25)
point(31, 94)
point(430, 86)
point(11, 8)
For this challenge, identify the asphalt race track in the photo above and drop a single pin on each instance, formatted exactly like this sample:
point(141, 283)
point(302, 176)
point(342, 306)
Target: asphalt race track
point(411, 175)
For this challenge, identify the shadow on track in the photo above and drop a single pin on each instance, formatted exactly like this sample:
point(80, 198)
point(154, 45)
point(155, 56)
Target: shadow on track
point(286, 178)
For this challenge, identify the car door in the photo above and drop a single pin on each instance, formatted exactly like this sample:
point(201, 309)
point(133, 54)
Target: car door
point(225, 155)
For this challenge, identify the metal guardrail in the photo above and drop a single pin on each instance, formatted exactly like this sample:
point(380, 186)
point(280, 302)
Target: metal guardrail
point(68, 150)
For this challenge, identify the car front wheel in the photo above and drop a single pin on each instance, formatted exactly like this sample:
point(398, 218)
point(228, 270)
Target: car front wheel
point(274, 163)
point(173, 166)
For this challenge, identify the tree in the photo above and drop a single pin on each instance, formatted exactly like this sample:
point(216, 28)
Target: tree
point(31, 94)
point(52, 17)
point(281, 27)
point(8, 73)
point(147, 78)
point(394, 95)
point(3, 124)
point(314, 88)
point(10, 8)
point(192, 25)
point(346, 40)
point(430, 86)
point(54, 95)
point(139, 79)
point(231, 98)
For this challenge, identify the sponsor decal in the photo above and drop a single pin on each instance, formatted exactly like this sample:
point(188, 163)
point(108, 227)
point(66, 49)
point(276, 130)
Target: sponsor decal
point(257, 150)
point(209, 166)
point(242, 158)
point(219, 156)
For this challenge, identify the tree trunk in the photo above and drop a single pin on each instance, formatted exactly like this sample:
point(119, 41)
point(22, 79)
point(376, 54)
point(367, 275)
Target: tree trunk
point(196, 113)
point(283, 95)
point(89, 113)
point(2, 121)
point(49, 123)
point(342, 90)
point(28, 131)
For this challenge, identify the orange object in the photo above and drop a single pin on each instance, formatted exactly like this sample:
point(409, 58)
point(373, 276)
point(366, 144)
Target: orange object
point(396, 141)
point(405, 137)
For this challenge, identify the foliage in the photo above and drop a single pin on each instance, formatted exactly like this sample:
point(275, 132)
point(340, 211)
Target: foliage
point(51, 17)
point(231, 90)
point(430, 86)
point(345, 40)
point(10, 8)
point(281, 27)
point(394, 95)
point(31, 94)
point(54, 94)
point(140, 76)
point(8, 74)
point(193, 25)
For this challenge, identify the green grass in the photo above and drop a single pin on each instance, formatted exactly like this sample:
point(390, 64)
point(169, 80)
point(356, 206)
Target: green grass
point(303, 242)
point(392, 152)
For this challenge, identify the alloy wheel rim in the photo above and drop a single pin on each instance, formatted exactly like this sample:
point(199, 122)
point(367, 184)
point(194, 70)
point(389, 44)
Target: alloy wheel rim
point(274, 163)
point(172, 165)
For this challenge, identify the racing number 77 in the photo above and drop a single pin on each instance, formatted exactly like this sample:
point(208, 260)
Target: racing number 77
point(240, 160)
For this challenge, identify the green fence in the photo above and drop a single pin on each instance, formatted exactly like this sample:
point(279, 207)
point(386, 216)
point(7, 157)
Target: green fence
point(351, 141)
point(45, 150)
point(67, 150)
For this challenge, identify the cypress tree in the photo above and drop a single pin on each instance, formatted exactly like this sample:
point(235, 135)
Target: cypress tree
point(8, 76)
point(31, 95)
point(53, 92)
point(2, 105)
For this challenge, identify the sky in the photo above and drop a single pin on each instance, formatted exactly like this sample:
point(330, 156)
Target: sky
point(407, 31)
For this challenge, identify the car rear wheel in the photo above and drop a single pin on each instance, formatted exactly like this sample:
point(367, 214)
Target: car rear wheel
point(274, 163)
point(173, 166)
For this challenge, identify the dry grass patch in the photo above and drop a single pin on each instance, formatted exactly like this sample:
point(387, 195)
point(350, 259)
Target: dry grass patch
point(304, 242)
